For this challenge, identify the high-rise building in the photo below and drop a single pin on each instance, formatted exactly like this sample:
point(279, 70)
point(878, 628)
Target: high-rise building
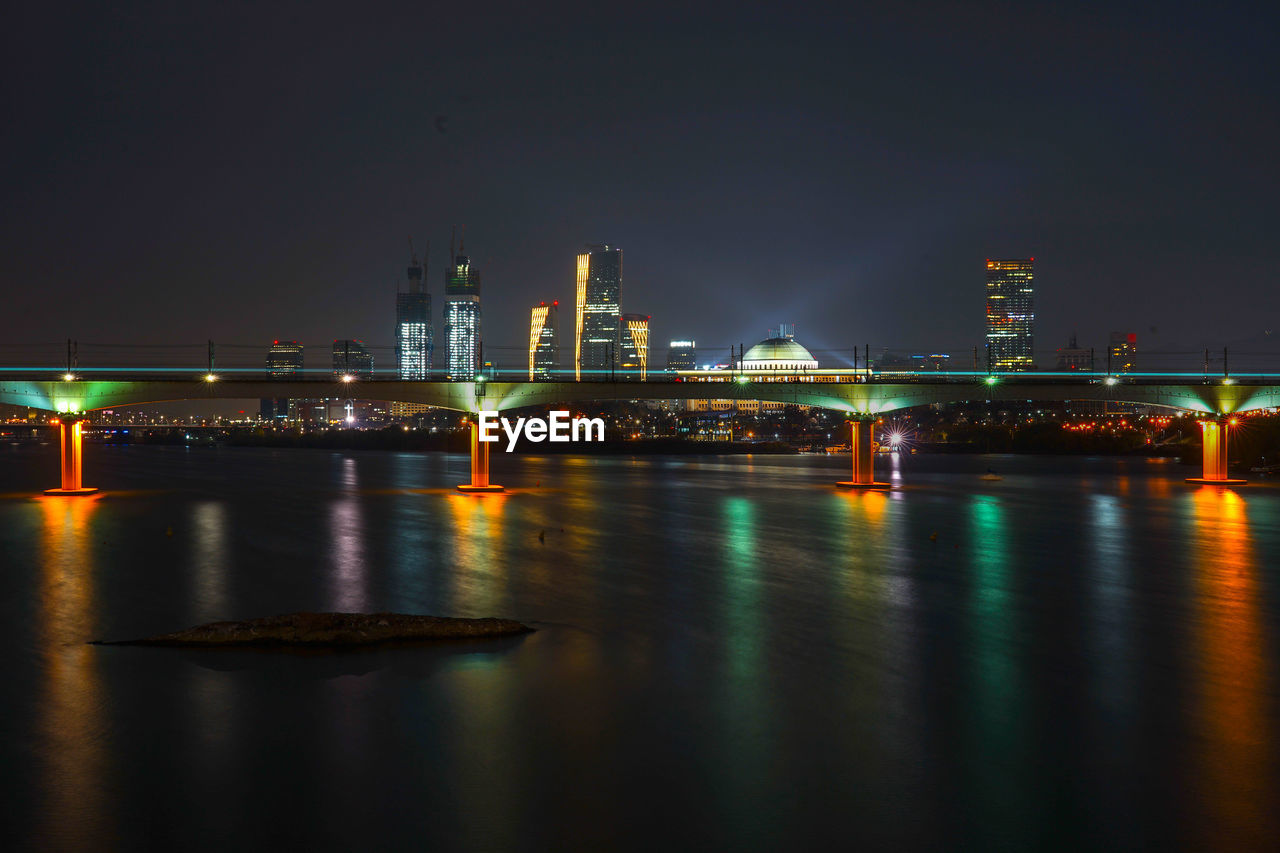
point(1124, 352)
point(352, 358)
point(682, 355)
point(284, 361)
point(415, 339)
point(599, 294)
point(544, 341)
point(633, 330)
point(1011, 313)
point(461, 316)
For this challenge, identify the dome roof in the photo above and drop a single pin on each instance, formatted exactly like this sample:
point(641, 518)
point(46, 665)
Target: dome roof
point(778, 354)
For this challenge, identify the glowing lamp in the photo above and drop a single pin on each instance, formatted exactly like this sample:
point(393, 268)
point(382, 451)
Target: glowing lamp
point(68, 377)
point(209, 377)
point(347, 377)
point(991, 380)
point(1111, 380)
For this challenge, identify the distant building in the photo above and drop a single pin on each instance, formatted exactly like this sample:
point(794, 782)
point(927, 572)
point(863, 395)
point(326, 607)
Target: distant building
point(352, 358)
point(682, 355)
point(284, 361)
point(1124, 352)
point(633, 330)
point(544, 341)
point(599, 295)
point(779, 351)
point(461, 316)
point(933, 361)
point(415, 339)
point(1011, 313)
point(1072, 357)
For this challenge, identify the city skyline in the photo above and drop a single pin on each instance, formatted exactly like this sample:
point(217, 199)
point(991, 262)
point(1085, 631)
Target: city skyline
point(1139, 162)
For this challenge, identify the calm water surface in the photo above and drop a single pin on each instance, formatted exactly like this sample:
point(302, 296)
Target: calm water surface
point(731, 653)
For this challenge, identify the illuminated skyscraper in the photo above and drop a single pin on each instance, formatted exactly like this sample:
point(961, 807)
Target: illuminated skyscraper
point(599, 293)
point(1010, 313)
point(544, 341)
point(1124, 352)
point(461, 316)
point(284, 361)
point(633, 329)
point(681, 355)
point(415, 339)
point(352, 358)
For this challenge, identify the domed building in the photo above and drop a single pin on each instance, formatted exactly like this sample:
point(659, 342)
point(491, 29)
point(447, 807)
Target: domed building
point(779, 351)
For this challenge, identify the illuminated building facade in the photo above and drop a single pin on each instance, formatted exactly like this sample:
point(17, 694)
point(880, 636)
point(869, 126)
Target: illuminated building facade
point(633, 330)
point(682, 355)
point(461, 316)
point(1124, 352)
point(415, 339)
point(599, 294)
point(284, 361)
point(544, 341)
point(1011, 313)
point(352, 358)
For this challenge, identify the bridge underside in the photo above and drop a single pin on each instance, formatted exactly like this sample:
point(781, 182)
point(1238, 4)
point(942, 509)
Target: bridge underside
point(854, 398)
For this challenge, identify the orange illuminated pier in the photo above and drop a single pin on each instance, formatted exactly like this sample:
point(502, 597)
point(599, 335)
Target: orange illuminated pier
point(1214, 472)
point(863, 473)
point(479, 465)
point(72, 432)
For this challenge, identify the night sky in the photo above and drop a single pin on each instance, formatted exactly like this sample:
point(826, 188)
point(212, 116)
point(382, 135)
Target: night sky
point(246, 171)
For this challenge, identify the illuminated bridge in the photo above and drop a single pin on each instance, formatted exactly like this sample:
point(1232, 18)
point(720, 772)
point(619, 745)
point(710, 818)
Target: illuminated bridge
point(861, 394)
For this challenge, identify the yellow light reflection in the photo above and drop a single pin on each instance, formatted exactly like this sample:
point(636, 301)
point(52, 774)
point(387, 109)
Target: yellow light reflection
point(72, 726)
point(480, 571)
point(1231, 716)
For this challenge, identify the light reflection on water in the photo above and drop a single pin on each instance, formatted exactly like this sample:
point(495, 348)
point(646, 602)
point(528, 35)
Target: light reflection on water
point(1230, 692)
point(71, 728)
point(1082, 652)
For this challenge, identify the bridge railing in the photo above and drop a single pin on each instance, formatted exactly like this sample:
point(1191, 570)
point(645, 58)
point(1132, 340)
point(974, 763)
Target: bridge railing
point(328, 362)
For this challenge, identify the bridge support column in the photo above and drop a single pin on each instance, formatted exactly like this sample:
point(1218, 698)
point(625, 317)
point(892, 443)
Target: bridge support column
point(1214, 471)
point(863, 469)
point(479, 465)
point(71, 430)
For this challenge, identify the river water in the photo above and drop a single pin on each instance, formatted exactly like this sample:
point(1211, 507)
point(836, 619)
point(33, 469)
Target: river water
point(731, 654)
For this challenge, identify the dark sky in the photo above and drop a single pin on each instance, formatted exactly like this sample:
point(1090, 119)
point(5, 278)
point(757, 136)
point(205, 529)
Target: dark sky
point(245, 171)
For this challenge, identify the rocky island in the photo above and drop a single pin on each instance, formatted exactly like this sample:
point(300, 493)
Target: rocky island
point(332, 630)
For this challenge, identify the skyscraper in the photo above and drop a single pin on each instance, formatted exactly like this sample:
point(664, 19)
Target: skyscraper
point(461, 315)
point(633, 329)
point(352, 358)
point(599, 293)
point(415, 339)
point(544, 341)
point(682, 355)
point(284, 361)
point(1010, 313)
